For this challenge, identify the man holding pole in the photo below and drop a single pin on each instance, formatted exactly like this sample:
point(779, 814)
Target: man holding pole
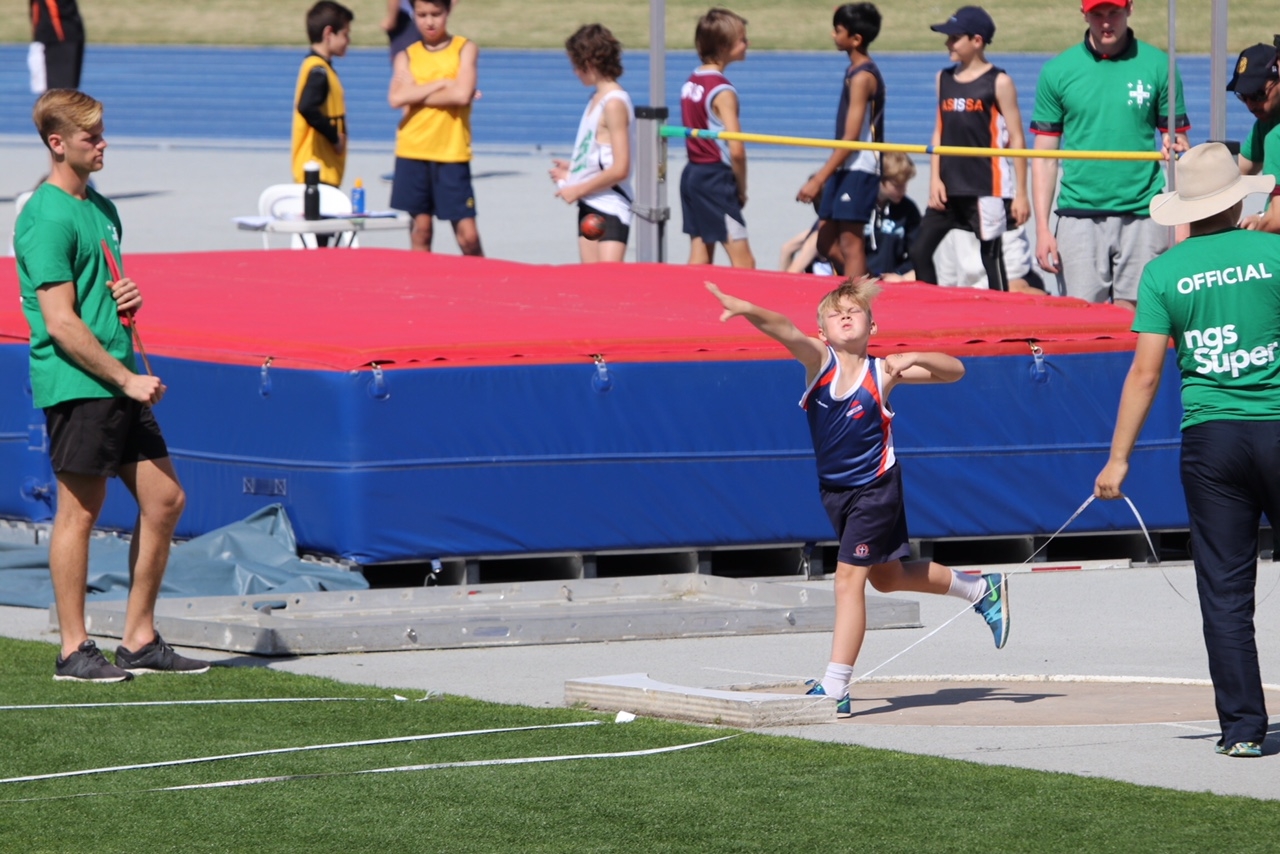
point(97, 406)
point(1109, 93)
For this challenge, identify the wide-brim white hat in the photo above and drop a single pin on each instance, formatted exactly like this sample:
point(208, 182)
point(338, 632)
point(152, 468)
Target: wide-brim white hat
point(1209, 182)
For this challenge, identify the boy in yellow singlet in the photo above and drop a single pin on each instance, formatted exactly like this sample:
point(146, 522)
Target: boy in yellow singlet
point(434, 82)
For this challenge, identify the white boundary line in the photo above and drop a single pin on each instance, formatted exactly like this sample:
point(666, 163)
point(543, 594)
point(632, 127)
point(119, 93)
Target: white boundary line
point(140, 703)
point(476, 763)
point(278, 750)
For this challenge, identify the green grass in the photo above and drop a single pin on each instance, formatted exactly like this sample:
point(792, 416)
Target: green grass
point(751, 793)
point(789, 25)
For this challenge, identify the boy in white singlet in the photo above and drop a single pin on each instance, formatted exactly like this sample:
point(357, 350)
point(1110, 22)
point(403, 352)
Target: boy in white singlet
point(598, 178)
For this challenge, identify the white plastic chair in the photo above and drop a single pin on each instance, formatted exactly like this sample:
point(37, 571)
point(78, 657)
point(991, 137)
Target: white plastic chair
point(17, 209)
point(285, 200)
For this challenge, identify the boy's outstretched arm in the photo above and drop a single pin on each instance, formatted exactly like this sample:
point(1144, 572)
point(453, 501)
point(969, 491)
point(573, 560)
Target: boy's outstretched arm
point(809, 351)
point(922, 368)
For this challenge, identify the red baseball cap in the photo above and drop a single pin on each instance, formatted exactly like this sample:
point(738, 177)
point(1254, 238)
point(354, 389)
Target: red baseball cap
point(1090, 5)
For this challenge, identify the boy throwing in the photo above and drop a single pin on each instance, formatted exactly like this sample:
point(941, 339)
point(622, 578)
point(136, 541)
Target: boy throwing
point(97, 406)
point(846, 401)
point(713, 186)
point(434, 82)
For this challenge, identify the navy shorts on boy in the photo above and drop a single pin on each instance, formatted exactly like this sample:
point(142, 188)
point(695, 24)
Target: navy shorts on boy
point(709, 200)
point(429, 187)
point(870, 520)
point(850, 195)
point(95, 436)
point(614, 228)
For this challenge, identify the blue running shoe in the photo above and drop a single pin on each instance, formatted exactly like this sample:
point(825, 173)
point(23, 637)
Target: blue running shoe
point(843, 706)
point(1243, 749)
point(994, 607)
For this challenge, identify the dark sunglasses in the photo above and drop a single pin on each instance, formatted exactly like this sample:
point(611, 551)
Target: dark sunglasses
point(1259, 96)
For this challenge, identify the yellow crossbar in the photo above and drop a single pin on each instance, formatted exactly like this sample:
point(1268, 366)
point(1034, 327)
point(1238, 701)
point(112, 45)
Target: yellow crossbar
point(950, 150)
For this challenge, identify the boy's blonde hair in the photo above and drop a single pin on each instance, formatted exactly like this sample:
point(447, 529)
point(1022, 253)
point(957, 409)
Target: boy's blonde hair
point(859, 291)
point(65, 111)
point(896, 167)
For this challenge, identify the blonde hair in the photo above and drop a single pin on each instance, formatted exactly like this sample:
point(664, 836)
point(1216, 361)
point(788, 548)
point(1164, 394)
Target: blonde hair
point(897, 167)
point(65, 111)
point(859, 291)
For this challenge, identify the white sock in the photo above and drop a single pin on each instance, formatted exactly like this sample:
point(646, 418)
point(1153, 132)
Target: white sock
point(970, 587)
point(836, 680)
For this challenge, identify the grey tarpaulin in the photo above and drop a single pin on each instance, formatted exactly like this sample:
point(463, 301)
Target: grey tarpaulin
point(255, 555)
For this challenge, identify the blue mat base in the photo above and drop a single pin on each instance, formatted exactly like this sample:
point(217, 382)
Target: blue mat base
point(440, 462)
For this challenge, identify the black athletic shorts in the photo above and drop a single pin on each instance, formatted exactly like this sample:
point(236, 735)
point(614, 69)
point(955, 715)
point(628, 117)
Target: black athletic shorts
point(870, 520)
point(95, 436)
point(614, 228)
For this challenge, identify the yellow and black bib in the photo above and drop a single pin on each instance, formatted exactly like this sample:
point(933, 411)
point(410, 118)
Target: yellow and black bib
point(310, 144)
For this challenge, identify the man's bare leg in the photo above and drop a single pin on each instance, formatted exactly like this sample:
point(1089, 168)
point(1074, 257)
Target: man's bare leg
point(161, 500)
point(80, 499)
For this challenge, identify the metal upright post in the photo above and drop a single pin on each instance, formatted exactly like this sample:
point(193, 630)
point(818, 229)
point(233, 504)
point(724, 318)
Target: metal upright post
point(1171, 120)
point(650, 205)
point(1218, 71)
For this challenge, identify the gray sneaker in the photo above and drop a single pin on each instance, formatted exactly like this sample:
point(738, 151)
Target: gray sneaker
point(158, 657)
point(88, 664)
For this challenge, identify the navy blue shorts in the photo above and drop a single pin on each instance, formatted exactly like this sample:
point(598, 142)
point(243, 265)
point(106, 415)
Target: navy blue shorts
point(709, 194)
point(870, 520)
point(428, 187)
point(849, 196)
point(95, 436)
point(614, 228)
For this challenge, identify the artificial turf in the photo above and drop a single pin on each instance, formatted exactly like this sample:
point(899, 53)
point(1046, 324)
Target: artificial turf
point(749, 793)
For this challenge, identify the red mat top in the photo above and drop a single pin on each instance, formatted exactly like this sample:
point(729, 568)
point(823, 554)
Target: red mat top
point(341, 309)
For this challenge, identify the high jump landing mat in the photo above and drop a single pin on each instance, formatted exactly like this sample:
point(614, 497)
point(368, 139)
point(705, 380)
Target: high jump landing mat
point(413, 407)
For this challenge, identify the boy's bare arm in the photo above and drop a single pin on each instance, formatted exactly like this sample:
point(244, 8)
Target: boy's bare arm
point(461, 90)
point(1007, 100)
point(725, 107)
point(391, 16)
point(617, 121)
point(861, 89)
point(922, 368)
point(809, 351)
point(937, 190)
point(404, 91)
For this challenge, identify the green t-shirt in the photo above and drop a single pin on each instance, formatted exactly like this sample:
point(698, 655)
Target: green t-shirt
point(58, 238)
point(1107, 104)
point(1262, 145)
point(1254, 148)
point(1218, 297)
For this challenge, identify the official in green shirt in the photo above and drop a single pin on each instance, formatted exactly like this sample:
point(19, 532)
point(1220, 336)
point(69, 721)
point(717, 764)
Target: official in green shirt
point(1108, 93)
point(1216, 295)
